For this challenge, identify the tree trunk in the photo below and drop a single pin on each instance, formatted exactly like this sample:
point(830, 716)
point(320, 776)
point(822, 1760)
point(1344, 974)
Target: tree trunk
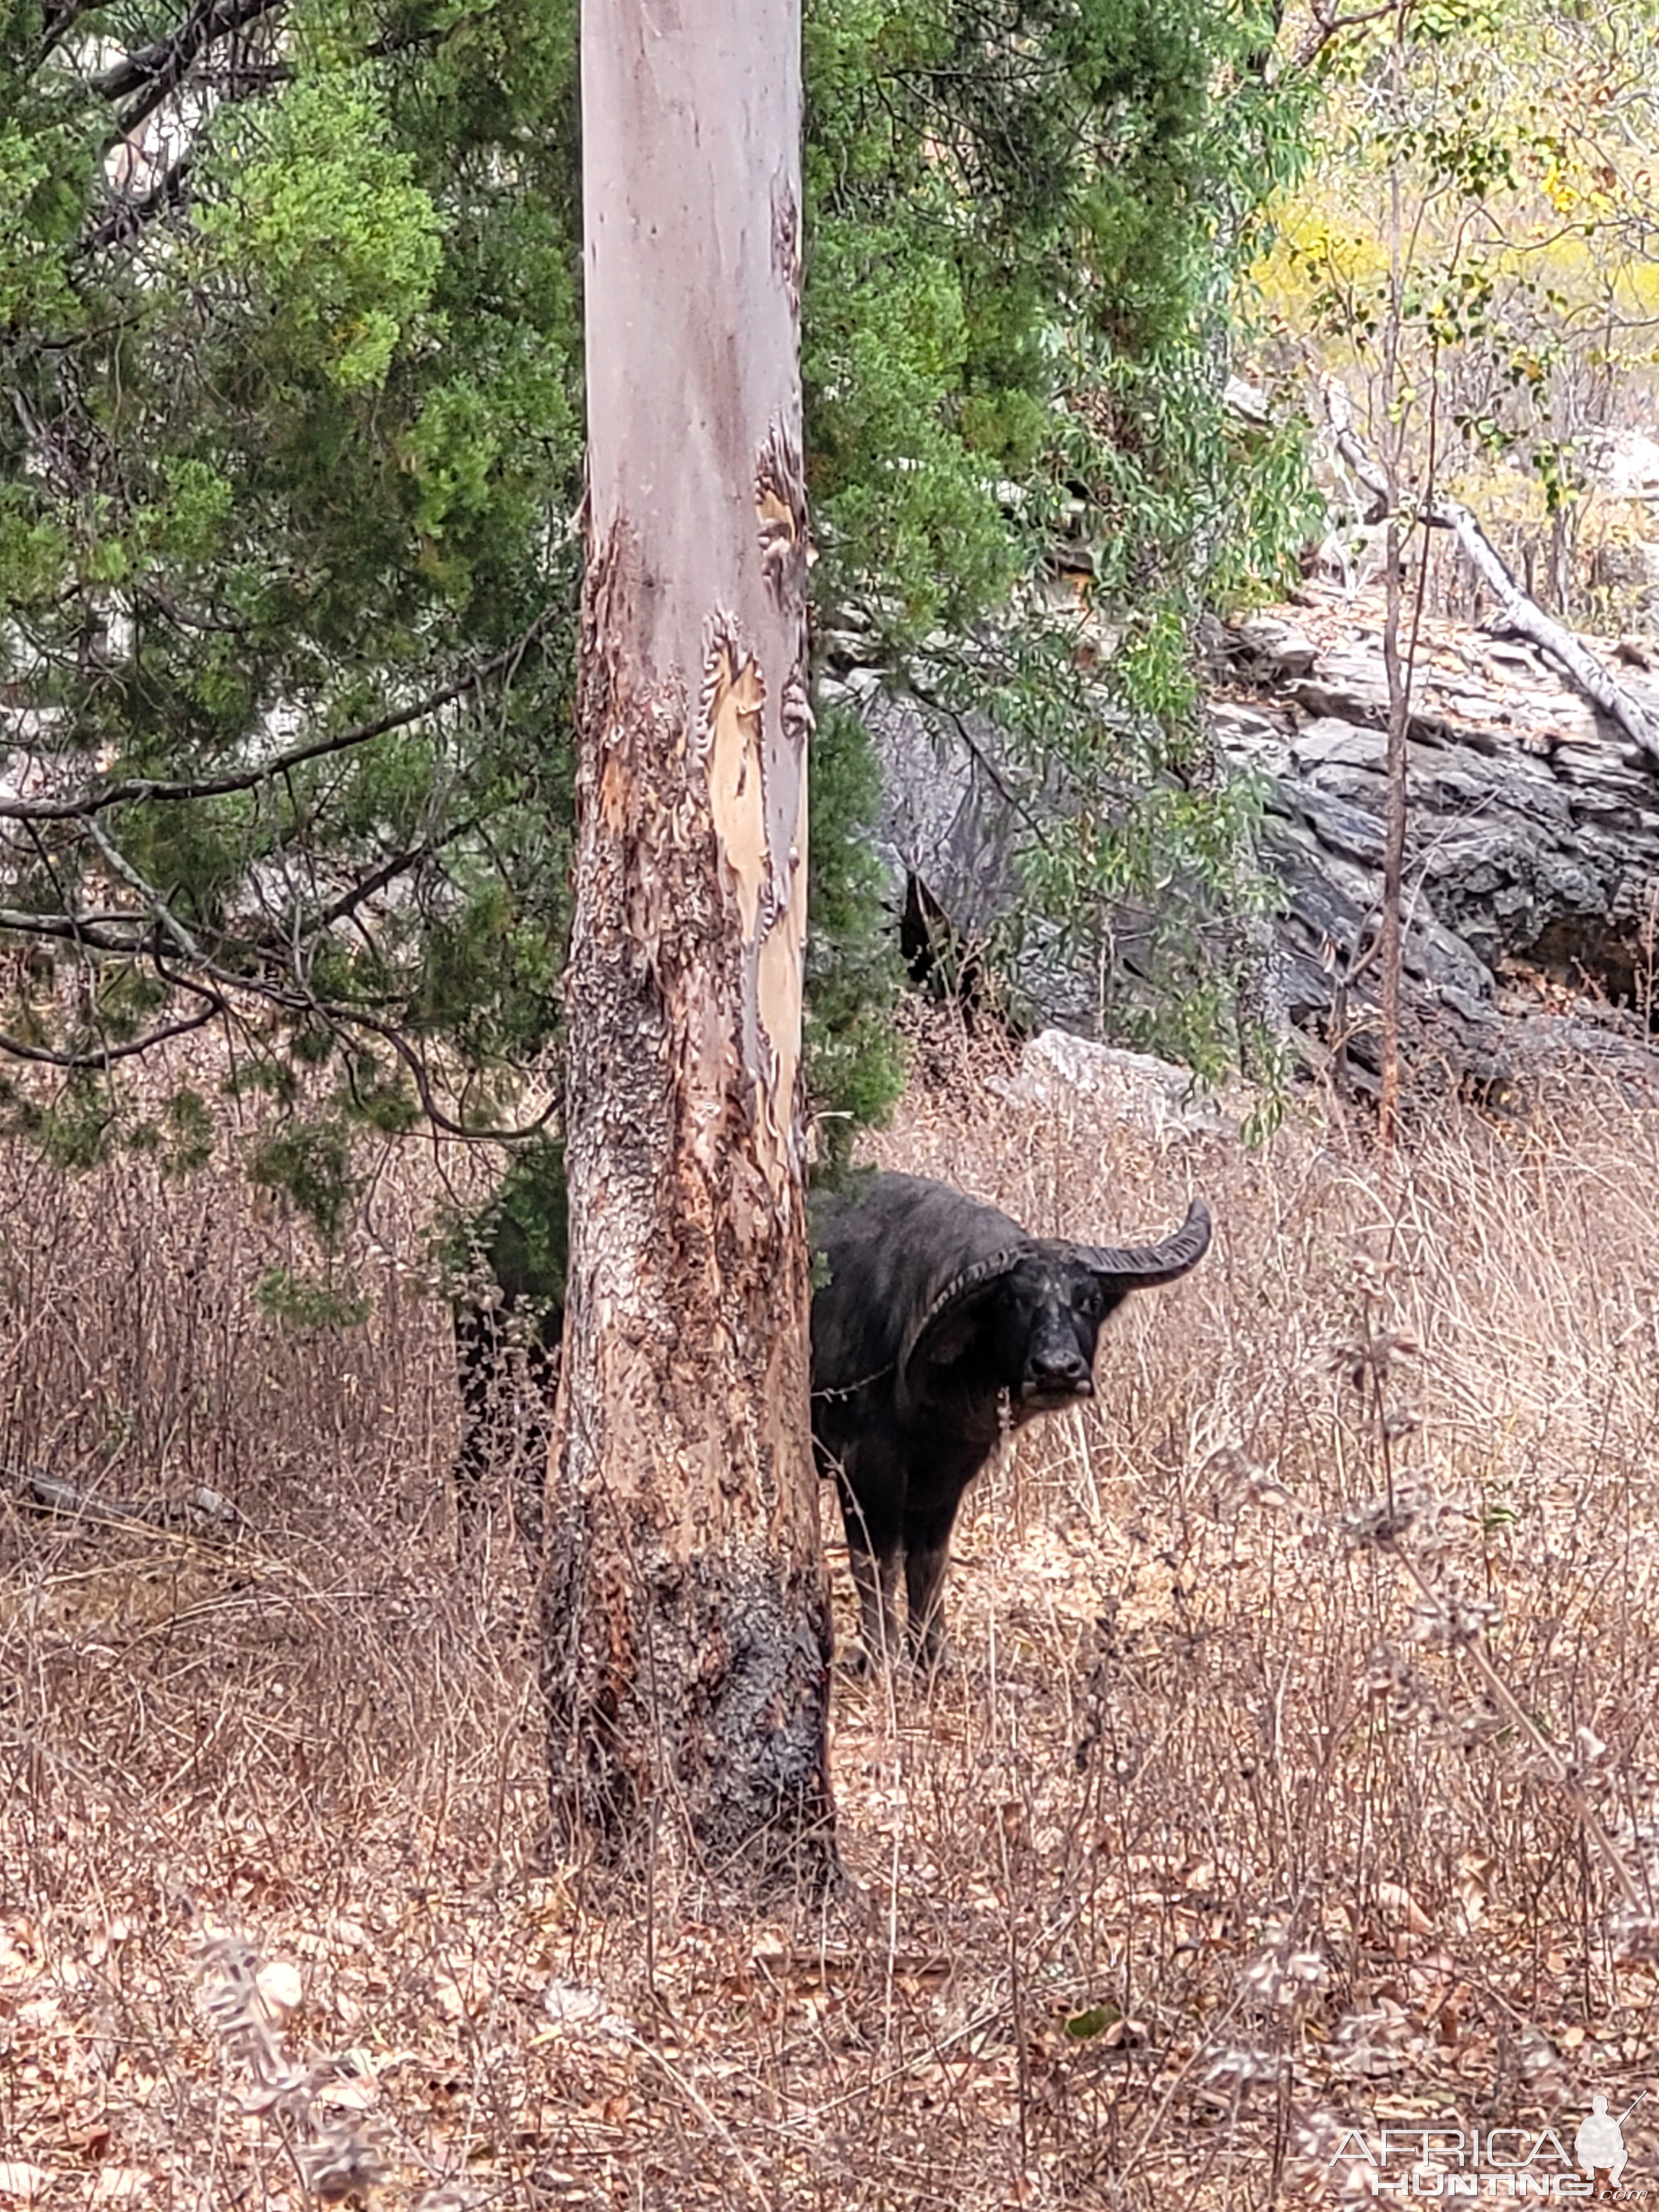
point(686, 1633)
point(1390, 937)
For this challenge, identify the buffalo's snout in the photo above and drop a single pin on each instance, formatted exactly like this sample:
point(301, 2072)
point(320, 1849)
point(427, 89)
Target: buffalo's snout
point(1056, 1369)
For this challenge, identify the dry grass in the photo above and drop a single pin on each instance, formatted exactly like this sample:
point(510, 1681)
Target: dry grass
point(1209, 1783)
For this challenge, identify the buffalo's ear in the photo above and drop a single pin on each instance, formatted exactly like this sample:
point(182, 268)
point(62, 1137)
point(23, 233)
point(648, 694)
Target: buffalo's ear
point(941, 1333)
point(1138, 1266)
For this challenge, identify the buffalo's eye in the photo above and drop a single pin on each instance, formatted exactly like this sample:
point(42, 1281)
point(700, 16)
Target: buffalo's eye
point(1087, 1299)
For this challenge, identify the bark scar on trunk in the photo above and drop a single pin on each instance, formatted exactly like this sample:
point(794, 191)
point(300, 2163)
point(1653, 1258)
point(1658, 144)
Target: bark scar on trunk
point(785, 241)
point(786, 542)
point(733, 708)
point(778, 1005)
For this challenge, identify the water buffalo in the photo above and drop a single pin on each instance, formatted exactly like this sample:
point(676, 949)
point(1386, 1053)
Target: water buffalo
point(939, 1324)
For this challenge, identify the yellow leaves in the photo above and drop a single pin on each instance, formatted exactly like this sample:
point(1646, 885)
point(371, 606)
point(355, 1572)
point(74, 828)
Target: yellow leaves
point(1635, 290)
point(1501, 154)
point(1557, 188)
point(1316, 245)
point(1582, 193)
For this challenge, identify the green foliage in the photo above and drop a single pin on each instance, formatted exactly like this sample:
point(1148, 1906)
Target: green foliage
point(309, 1303)
point(1003, 201)
point(190, 1133)
point(522, 1237)
point(310, 1162)
point(854, 1065)
point(76, 1130)
point(1271, 1062)
point(290, 445)
point(341, 245)
point(184, 1140)
point(1025, 225)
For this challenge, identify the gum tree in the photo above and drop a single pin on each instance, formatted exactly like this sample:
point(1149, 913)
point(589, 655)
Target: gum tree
point(687, 1628)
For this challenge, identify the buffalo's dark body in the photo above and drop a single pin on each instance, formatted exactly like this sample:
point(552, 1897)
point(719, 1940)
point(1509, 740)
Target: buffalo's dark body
point(507, 1356)
point(940, 1325)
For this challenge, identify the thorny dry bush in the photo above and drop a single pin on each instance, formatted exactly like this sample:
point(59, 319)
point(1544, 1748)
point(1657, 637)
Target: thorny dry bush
point(1298, 1774)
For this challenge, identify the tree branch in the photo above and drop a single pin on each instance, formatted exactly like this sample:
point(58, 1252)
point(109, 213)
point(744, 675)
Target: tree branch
point(43, 1056)
point(162, 915)
point(347, 901)
point(75, 929)
point(1523, 615)
point(57, 22)
point(1327, 25)
point(143, 788)
point(156, 72)
point(344, 1018)
point(128, 217)
point(288, 994)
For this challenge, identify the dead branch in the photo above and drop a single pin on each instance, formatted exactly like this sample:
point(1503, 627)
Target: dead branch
point(1522, 613)
point(83, 805)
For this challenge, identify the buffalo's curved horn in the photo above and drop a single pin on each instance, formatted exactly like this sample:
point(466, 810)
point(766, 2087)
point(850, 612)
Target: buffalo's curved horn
point(1137, 1267)
point(940, 1333)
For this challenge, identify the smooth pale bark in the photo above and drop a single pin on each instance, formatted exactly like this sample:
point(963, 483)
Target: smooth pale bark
point(687, 1635)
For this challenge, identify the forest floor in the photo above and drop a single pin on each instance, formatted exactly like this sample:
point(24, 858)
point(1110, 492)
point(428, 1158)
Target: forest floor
point(1210, 1860)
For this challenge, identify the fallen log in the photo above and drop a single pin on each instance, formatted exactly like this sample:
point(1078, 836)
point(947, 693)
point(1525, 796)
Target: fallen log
point(199, 1511)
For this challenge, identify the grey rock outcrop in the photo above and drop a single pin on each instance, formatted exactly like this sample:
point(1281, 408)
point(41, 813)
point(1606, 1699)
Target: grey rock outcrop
point(1532, 852)
point(960, 807)
point(1532, 929)
point(1059, 1073)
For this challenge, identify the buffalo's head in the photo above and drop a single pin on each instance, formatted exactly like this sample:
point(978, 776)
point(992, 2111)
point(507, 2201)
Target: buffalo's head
point(1025, 1320)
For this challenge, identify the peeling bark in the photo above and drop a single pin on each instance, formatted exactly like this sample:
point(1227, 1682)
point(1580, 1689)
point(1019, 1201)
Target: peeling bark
point(686, 1631)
